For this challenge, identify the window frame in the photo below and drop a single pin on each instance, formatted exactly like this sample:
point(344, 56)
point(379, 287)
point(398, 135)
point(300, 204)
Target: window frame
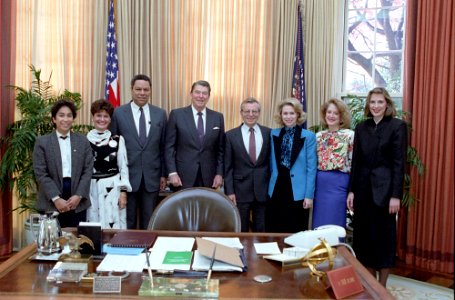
point(344, 91)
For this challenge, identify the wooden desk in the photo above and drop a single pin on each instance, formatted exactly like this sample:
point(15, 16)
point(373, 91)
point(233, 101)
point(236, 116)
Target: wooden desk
point(21, 278)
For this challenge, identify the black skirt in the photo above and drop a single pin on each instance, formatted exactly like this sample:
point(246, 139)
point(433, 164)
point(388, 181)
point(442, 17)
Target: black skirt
point(374, 232)
point(283, 213)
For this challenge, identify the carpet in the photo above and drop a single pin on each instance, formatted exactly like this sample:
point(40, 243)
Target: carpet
point(410, 289)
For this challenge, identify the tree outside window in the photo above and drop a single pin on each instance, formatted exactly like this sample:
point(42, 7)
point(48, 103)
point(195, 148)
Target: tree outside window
point(374, 54)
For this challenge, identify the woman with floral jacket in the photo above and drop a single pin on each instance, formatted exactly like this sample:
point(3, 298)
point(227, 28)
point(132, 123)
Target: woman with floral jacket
point(334, 147)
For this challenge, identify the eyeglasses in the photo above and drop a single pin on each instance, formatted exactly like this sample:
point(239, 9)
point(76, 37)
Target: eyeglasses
point(252, 112)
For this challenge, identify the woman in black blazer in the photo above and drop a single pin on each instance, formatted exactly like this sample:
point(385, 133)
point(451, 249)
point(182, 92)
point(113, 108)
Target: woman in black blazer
point(376, 183)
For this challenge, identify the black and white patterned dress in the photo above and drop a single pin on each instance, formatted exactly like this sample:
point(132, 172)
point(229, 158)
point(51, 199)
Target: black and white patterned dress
point(110, 177)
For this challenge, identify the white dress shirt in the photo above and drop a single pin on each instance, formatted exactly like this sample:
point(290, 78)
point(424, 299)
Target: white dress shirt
point(137, 114)
point(196, 117)
point(65, 152)
point(257, 136)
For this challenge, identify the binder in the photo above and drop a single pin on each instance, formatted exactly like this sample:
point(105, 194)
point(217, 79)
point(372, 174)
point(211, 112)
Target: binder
point(133, 239)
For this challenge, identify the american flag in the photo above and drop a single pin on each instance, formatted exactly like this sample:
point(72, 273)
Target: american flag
point(112, 89)
point(298, 79)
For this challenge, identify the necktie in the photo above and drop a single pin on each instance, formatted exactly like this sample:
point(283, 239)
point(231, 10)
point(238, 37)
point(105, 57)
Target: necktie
point(63, 137)
point(200, 128)
point(142, 130)
point(252, 146)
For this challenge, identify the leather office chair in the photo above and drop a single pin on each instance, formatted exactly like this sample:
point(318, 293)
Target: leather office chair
point(196, 209)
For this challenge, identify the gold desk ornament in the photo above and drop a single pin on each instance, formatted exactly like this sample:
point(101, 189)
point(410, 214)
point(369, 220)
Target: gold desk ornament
point(73, 244)
point(317, 255)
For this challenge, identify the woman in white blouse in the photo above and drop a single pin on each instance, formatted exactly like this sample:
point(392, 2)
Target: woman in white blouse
point(334, 148)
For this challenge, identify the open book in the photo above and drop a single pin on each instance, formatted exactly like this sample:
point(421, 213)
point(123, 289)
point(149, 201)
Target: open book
point(226, 258)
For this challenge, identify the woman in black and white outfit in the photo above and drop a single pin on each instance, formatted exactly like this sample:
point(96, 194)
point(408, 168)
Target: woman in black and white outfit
point(110, 182)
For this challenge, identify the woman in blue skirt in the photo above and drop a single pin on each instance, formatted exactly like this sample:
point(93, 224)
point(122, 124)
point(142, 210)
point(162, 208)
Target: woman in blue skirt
point(334, 147)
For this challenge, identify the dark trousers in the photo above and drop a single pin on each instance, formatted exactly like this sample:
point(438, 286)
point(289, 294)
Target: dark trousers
point(283, 213)
point(70, 218)
point(140, 207)
point(198, 182)
point(257, 211)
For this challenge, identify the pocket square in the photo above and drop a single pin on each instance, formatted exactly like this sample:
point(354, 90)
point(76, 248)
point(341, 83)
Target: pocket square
point(216, 128)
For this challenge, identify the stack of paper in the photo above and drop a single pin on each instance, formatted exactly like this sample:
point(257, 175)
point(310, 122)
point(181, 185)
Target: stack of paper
point(122, 263)
point(202, 263)
point(171, 253)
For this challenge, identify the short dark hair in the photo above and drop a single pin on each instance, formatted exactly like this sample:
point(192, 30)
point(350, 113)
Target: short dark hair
point(140, 77)
point(100, 105)
point(61, 103)
point(201, 83)
point(390, 110)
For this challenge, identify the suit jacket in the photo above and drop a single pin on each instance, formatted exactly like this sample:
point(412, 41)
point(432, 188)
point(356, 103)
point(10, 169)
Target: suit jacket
point(379, 160)
point(303, 162)
point(47, 164)
point(143, 161)
point(243, 178)
point(184, 154)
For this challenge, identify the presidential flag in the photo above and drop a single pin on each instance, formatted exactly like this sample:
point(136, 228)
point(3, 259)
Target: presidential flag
point(112, 88)
point(298, 79)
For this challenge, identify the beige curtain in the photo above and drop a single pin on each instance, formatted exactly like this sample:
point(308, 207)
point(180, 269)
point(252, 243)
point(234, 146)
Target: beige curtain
point(324, 37)
point(65, 39)
point(242, 47)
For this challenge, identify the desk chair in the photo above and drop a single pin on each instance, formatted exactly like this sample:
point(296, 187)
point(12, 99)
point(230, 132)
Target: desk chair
point(196, 209)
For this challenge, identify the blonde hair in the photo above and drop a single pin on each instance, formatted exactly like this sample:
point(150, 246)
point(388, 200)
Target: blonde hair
point(343, 110)
point(298, 108)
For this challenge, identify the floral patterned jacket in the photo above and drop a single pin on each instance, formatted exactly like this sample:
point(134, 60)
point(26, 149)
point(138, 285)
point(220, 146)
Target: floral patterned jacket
point(335, 150)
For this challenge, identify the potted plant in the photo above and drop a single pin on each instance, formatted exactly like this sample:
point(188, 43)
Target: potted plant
point(16, 165)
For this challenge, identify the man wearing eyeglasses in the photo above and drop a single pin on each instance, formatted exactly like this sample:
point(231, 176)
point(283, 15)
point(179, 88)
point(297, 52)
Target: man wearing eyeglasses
point(194, 152)
point(247, 170)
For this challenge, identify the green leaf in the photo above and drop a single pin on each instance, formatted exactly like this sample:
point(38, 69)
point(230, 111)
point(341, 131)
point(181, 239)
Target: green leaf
point(34, 105)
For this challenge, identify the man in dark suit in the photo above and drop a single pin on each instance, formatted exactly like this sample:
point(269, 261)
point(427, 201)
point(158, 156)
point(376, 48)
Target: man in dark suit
point(195, 142)
point(143, 126)
point(63, 165)
point(247, 166)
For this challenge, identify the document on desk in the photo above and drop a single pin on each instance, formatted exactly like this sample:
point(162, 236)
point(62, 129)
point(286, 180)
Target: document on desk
point(168, 253)
point(226, 258)
point(202, 263)
point(233, 242)
point(267, 248)
point(290, 256)
point(166, 243)
point(170, 260)
point(122, 263)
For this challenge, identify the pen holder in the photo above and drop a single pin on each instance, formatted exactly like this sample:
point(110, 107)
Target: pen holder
point(179, 287)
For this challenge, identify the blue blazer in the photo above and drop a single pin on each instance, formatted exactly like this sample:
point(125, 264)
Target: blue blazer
point(303, 162)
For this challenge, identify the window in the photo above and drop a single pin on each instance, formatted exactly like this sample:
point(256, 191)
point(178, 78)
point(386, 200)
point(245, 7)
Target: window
point(374, 46)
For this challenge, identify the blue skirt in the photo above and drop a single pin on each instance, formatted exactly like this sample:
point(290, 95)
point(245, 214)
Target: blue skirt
point(329, 206)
